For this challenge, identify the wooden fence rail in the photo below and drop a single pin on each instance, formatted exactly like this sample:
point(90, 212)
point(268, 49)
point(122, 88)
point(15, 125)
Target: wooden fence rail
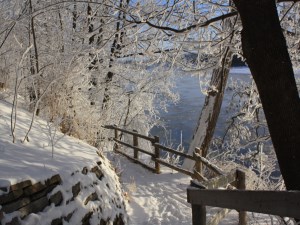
point(135, 148)
point(200, 161)
point(173, 151)
point(155, 155)
point(236, 178)
point(281, 203)
point(135, 133)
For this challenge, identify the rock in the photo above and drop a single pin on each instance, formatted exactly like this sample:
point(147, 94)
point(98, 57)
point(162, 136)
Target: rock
point(14, 206)
point(56, 179)
point(56, 198)
point(76, 189)
point(34, 207)
point(57, 221)
point(49, 185)
point(14, 221)
point(103, 222)
point(42, 193)
point(119, 220)
point(98, 172)
point(34, 188)
point(69, 216)
point(20, 185)
point(92, 197)
point(11, 196)
point(85, 170)
point(86, 219)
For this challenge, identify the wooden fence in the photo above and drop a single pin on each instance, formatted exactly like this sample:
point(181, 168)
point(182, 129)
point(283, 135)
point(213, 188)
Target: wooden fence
point(155, 155)
point(234, 179)
point(204, 192)
point(280, 203)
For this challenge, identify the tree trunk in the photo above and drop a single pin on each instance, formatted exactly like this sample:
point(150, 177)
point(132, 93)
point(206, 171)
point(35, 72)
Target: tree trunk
point(265, 50)
point(211, 110)
point(212, 105)
point(74, 20)
point(35, 89)
point(115, 50)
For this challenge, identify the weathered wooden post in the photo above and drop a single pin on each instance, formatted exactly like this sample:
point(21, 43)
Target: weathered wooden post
point(199, 215)
point(241, 184)
point(156, 153)
point(116, 147)
point(198, 211)
point(135, 144)
point(198, 164)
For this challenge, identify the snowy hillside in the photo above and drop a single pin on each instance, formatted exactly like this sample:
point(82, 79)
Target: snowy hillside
point(33, 159)
point(89, 191)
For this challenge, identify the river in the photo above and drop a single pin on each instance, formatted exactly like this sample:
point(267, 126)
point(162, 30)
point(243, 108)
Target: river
point(181, 118)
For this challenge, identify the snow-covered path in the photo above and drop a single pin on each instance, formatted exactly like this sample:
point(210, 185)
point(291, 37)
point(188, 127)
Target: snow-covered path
point(156, 199)
point(164, 197)
point(160, 199)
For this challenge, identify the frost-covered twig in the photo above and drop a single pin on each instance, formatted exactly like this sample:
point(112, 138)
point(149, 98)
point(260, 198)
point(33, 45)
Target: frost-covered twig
point(35, 109)
point(15, 99)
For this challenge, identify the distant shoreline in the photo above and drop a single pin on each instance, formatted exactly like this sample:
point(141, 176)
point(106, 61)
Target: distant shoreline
point(246, 70)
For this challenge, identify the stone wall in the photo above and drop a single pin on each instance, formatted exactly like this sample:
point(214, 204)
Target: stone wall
point(26, 199)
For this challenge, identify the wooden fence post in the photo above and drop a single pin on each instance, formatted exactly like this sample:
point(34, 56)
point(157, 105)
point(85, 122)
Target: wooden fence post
point(198, 163)
point(199, 215)
point(241, 184)
point(135, 144)
point(116, 137)
point(156, 152)
point(198, 211)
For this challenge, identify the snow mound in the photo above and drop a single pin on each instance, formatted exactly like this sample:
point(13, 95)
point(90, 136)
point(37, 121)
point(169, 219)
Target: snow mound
point(32, 160)
point(99, 197)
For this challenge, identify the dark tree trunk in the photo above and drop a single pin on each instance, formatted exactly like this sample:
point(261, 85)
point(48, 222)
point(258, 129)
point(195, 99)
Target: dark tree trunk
point(74, 20)
point(34, 94)
point(115, 49)
point(265, 50)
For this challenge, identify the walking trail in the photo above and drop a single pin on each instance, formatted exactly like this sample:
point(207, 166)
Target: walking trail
point(157, 199)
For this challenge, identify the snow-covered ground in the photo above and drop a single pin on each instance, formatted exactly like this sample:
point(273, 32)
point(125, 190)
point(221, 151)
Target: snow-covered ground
point(33, 160)
point(157, 199)
point(161, 199)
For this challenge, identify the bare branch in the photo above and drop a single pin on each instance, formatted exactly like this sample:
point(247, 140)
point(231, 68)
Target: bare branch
point(183, 30)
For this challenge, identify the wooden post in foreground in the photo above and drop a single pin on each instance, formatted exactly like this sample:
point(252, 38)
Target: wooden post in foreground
point(198, 211)
point(199, 215)
point(135, 144)
point(241, 184)
point(156, 152)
